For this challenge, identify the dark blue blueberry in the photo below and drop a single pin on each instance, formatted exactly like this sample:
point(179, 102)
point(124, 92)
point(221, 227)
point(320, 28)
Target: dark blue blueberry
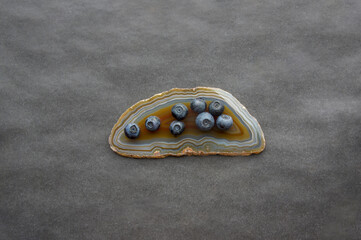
point(205, 121)
point(179, 111)
point(152, 123)
point(198, 105)
point(132, 130)
point(176, 127)
point(224, 122)
point(216, 108)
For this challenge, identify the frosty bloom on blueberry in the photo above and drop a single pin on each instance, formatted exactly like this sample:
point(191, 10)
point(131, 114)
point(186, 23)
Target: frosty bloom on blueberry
point(132, 130)
point(224, 122)
point(152, 123)
point(198, 105)
point(216, 108)
point(205, 121)
point(179, 111)
point(176, 127)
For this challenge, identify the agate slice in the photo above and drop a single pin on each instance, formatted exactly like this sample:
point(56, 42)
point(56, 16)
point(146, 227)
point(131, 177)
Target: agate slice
point(245, 137)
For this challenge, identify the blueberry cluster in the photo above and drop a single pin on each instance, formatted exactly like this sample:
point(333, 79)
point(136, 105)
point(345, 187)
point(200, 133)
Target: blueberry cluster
point(132, 130)
point(204, 121)
point(179, 112)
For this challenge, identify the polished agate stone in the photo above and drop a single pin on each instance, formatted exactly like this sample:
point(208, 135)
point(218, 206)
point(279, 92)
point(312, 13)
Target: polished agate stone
point(245, 137)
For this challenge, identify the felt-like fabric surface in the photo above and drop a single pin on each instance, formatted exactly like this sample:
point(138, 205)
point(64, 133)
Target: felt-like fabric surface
point(69, 69)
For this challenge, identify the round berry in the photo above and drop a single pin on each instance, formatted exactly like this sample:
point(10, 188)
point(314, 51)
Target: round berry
point(152, 123)
point(198, 105)
point(205, 121)
point(216, 108)
point(224, 122)
point(176, 127)
point(179, 111)
point(132, 130)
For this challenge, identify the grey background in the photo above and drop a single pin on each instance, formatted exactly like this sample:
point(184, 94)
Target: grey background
point(68, 69)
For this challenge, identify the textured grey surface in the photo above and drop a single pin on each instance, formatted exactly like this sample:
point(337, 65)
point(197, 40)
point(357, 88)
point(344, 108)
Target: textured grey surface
point(68, 69)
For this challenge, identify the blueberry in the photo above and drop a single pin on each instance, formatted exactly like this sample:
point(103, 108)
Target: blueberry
point(198, 105)
point(224, 122)
point(152, 123)
point(179, 111)
point(132, 130)
point(216, 108)
point(205, 121)
point(176, 127)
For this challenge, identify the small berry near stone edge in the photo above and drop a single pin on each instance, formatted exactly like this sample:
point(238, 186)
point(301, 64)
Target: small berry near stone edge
point(176, 127)
point(132, 130)
point(216, 108)
point(152, 123)
point(224, 122)
point(205, 121)
point(198, 105)
point(179, 111)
